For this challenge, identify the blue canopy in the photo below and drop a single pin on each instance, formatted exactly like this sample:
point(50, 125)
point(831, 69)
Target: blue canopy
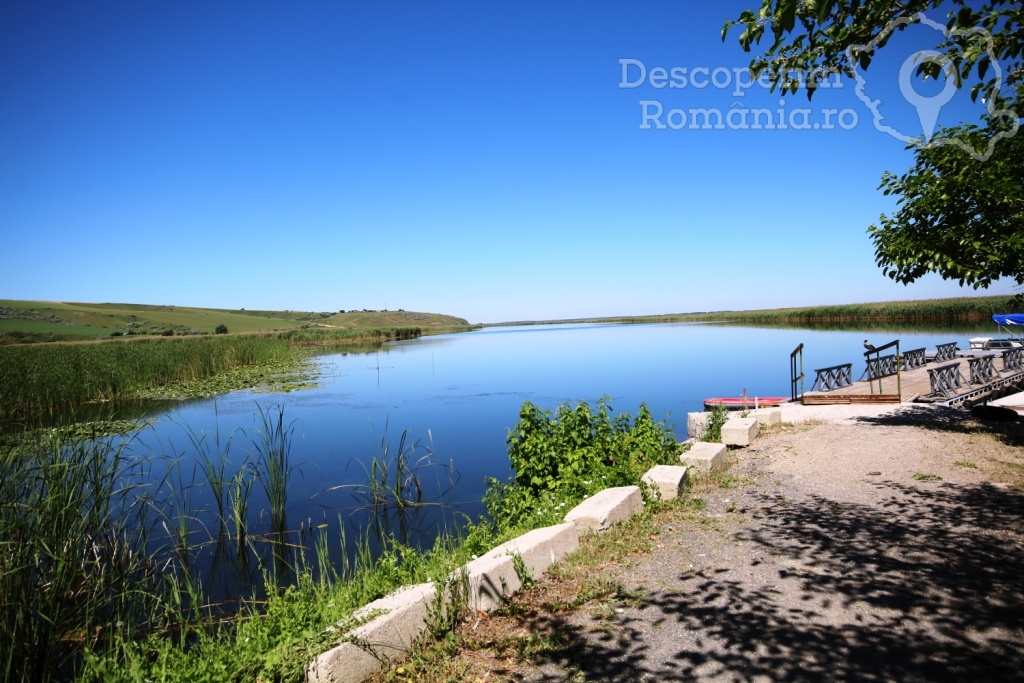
point(1009, 319)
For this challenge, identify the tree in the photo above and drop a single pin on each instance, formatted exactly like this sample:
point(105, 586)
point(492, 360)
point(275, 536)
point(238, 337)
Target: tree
point(957, 217)
point(960, 209)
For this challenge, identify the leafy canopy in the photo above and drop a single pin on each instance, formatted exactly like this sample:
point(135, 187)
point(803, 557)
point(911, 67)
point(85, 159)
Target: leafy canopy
point(960, 209)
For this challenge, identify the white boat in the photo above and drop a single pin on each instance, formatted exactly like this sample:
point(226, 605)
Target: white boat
point(990, 344)
point(984, 346)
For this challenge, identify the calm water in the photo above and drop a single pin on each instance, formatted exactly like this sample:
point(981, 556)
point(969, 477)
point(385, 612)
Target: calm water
point(459, 395)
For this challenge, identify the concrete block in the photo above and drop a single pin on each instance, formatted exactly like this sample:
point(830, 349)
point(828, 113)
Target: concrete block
point(387, 637)
point(697, 425)
point(541, 548)
point(608, 507)
point(705, 456)
point(669, 480)
point(767, 416)
point(739, 431)
point(491, 579)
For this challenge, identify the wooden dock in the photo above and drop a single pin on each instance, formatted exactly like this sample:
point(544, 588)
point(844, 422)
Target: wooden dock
point(917, 385)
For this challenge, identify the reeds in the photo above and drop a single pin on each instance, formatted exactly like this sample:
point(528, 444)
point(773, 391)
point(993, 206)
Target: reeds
point(74, 565)
point(46, 379)
point(49, 379)
point(105, 556)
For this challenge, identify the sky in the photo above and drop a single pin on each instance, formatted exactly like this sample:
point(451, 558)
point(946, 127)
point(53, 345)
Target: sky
point(495, 161)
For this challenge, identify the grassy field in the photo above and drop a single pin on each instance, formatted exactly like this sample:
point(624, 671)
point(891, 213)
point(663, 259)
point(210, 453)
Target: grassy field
point(27, 321)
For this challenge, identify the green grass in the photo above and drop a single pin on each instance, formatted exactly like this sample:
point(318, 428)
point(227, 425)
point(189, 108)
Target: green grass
point(40, 330)
point(90, 320)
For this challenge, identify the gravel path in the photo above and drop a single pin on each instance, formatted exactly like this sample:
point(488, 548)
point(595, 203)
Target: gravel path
point(881, 545)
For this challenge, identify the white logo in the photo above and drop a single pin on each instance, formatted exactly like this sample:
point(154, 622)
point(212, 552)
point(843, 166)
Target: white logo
point(929, 107)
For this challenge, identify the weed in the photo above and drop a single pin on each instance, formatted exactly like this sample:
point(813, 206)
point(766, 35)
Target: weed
point(966, 464)
point(717, 417)
point(926, 477)
point(560, 457)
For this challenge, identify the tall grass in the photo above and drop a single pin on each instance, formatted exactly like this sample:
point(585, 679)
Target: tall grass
point(327, 336)
point(74, 564)
point(49, 379)
point(950, 310)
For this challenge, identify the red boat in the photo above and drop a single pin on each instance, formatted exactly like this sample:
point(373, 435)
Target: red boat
point(745, 402)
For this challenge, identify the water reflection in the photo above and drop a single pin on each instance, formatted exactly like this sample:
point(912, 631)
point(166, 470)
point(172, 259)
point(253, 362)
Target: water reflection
point(456, 397)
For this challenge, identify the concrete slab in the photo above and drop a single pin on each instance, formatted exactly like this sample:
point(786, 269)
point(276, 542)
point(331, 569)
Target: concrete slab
point(541, 548)
point(668, 480)
point(705, 456)
point(491, 579)
point(697, 425)
point(387, 637)
point(606, 508)
point(739, 431)
point(767, 416)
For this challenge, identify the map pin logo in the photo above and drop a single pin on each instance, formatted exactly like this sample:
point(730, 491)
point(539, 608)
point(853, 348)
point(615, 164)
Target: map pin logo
point(928, 108)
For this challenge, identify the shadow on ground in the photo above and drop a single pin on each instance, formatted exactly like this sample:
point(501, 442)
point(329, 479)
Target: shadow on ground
point(945, 419)
point(930, 586)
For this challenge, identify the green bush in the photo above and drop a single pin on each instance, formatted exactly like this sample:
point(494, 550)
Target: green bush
point(221, 329)
point(562, 457)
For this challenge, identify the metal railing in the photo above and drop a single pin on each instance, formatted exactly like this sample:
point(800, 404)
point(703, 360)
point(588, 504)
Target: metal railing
point(982, 369)
point(945, 379)
point(835, 377)
point(944, 352)
point(794, 377)
point(882, 366)
point(1013, 360)
point(912, 360)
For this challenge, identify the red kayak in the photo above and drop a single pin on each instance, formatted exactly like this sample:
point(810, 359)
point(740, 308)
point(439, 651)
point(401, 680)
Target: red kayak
point(745, 402)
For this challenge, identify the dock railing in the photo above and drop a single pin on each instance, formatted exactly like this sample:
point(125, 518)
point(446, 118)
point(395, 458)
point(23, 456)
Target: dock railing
point(944, 352)
point(796, 374)
point(982, 369)
point(945, 379)
point(878, 366)
point(835, 377)
point(917, 358)
point(1013, 360)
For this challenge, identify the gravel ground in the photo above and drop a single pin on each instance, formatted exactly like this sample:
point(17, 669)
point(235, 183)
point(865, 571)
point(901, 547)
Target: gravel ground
point(880, 544)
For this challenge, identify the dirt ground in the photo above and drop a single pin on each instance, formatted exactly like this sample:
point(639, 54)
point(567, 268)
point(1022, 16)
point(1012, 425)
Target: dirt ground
point(868, 547)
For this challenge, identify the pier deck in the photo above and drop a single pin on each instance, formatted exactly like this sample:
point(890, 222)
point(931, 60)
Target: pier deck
point(916, 385)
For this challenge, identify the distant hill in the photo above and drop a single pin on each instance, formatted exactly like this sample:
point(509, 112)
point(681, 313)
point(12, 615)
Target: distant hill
point(25, 321)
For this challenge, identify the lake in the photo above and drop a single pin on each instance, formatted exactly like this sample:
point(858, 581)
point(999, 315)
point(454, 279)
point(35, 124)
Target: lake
point(459, 395)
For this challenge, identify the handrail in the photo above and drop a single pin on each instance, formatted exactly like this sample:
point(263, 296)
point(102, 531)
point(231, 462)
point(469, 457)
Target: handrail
point(982, 369)
point(944, 352)
point(945, 379)
point(883, 366)
point(793, 376)
point(914, 359)
point(835, 377)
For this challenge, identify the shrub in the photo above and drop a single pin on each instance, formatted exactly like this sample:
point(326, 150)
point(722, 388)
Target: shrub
point(562, 457)
point(221, 329)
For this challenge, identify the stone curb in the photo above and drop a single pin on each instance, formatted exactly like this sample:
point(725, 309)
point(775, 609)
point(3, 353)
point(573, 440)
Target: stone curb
point(605, 508)
point(389, 637)
point(705, 456)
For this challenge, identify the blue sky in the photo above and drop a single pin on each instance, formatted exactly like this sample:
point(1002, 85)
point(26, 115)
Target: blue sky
point(482, 159)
